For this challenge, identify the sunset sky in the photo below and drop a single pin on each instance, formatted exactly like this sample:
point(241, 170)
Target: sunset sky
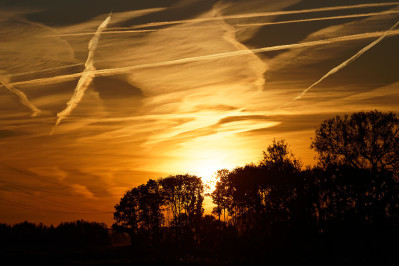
point(171, 87)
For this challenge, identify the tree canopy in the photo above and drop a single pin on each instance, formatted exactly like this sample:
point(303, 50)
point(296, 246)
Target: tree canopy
point(146, 208)
point(365, 140)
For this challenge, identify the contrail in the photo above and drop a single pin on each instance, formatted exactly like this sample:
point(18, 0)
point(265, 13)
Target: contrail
point(196, 27)
point(126, 29)
point(319, 19)
point(115, 31)
point(21, 96)
point(105, 32)
point(347, 62)
point(87, 75)
point(45, 70)
point(113, 71)
point(262, 14)
point(121, 70)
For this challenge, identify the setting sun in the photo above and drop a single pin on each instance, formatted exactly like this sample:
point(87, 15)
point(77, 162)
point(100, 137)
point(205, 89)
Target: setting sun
point(205, 163)
point(208, 176)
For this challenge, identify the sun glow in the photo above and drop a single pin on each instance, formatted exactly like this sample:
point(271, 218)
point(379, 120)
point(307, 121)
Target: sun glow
point(209, 177)
point(207, 168)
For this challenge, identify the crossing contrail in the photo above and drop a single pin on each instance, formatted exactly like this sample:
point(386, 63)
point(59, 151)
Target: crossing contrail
point(127, 31)
point(22, 98)
point(262, 14)
point(113, 71)
point(347, 62)
point(121, 70)
point(86, 77)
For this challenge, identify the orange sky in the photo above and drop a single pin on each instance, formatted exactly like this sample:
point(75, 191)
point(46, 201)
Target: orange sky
point(172, 87)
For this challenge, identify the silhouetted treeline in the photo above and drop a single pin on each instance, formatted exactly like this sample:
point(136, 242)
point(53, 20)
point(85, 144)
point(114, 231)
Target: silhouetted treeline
point(66, 235)
point(343, 210)
point(346, 205)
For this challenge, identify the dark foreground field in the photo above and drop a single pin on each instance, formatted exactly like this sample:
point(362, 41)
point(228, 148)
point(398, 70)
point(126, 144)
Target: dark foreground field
point(167, 255)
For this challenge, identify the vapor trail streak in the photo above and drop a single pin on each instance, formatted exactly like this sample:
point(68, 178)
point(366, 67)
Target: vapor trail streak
point(196, 27)
point(262, 14)
point(113, 71)
point(105, 32)
point(44, 70)
point(87, 75)
point(347, 62)
point(321, 18)
point(121, 70)
point(110, 31)
point(127, 30)
point(21, 96)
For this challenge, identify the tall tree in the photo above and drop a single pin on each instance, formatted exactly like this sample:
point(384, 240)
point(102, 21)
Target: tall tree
point(141, 209)
point(360, 157)
point(279, 156)
point(256, 194)
point(126, 213)
point(184, 194)
point(150, 207)
point(365, 140)
point(222, 195)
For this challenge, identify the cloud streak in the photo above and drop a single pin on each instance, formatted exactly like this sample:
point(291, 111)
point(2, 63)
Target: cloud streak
point(22, 98)
point(262, 14)
point(127, 31)
point(121, 70)
point(87, 75)
point(320, 18)
point(347, 62)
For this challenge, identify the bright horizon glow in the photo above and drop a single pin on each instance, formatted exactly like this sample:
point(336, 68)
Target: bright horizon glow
point(207, 170)
point(204, 164)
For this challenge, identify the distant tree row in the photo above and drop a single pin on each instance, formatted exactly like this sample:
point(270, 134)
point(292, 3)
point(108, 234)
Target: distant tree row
point(68, 234)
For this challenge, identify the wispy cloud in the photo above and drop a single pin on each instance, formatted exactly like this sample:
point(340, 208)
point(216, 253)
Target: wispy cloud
point(22, 98)
point(127, 30)
point(87, 75)
point(263, 14)
point(347, 62)
point(82, 190)
point(121, 70)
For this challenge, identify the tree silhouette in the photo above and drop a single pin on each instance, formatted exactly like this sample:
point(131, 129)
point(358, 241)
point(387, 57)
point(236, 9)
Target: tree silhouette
point(82, 233)
point(368, 140)
point(141, 209)
point(150, 207)
point(347, 204)
point(359, 154)
point(183, 195)
point(278, 156)
point(126, 213)
point(222, 195)
point(256, 195)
